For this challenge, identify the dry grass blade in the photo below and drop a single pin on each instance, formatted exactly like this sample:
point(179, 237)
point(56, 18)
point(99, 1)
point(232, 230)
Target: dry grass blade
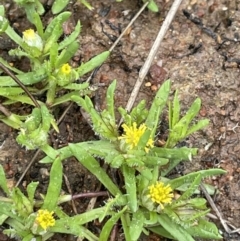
point(144, 70)
point(215, 209)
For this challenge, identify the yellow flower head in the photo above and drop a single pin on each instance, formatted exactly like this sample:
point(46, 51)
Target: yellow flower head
point(29, 34)
point(160, 193)
point(133, 135)
point(32, 39)
point(66, 69)
point(45, 219)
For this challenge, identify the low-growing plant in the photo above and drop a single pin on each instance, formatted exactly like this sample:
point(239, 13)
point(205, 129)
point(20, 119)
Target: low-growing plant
point(49, 67)
point(145, 199)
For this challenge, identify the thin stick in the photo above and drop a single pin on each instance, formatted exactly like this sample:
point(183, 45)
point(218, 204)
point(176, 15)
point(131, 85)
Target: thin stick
point(28, 167)
point(14, 77)
point(144, 70)
point(70, 192)
point(5, 111)
point(213, 206)
point(128, 26)
point(120, 36)
point(90, 194)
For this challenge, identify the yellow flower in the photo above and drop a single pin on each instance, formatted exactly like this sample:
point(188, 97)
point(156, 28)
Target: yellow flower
point(160, 193)
point(66, 69)
point(45, 219)
point(32, 39)
point(29, 34)
point(133, 135)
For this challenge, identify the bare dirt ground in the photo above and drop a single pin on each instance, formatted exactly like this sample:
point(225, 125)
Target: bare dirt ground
point(200, 54)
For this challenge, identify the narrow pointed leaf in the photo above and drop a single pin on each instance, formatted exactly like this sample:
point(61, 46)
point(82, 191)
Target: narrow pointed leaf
point(107, 228)
point(93, 63)
point(3, 181)
point(189, 178)
point(200, 125)
point(58, 6)
point(178, 232)
point(157, 106)
point(93, 166)
point(55, 185)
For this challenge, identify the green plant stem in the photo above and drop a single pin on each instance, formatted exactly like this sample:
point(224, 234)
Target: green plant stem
point(50, 152)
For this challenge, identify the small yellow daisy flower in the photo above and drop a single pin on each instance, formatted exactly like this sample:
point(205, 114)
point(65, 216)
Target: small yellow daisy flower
point(45, 219)
point(29, 34)
point(160, 193)
point(133, 135)
point(66, 69)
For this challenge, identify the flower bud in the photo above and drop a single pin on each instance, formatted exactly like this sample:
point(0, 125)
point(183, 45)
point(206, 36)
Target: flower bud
point(32, 39)
point(66, 75)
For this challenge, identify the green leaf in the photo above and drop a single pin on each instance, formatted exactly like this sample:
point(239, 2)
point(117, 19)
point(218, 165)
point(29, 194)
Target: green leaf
point(13, 120)
point(200, 125)
point(71, 95)
point(67, 54)
point(14, 36)
point(152, 6)
point(158, 103)
point(65, 152)
point(6, 64)
point(161, 232)
point(192, 188)
point(31, 189)
point(130, 186)
point(175, 156)
point(53, 55)
point(55, 35)
point(126, 117)
point(93, 166)
point(179, 130)
point(71, 38)
point(136, 225)
point(59, 5)
point(110, 101)
point(138, 114)
point(93, 63)
point(55, 185)
point(38, 24)
point(106, 230)
point(73, 225)
point(174, 112)
point(29, 237)
point(102, 123)
point(21, 203)
point(7, 210)
point(145, 172)
point(86, 4)
point(152, 161)
point(191, 113)
point(57, 21)
point(75, 86)
point(3, 218)
point(125, 218)
point(204, 229)
point(189, 178)
point(174, 229)
point(20, 98)
point(3, 181)
point(26, 78)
